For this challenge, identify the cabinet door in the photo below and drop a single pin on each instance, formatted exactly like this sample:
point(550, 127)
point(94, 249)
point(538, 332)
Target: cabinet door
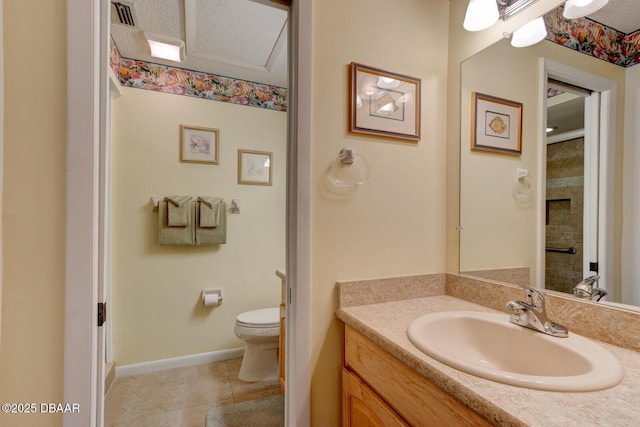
point(361, 407)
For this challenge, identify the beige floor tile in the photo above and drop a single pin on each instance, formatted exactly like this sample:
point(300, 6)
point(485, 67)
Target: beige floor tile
point(120, 400)
point(181, 396)
point(161, 378)
point(198, 392)
point(243, 391)
point(214, 371)
point(194, 416)
point(233, 366)
point(164, 398)
point(163, 419)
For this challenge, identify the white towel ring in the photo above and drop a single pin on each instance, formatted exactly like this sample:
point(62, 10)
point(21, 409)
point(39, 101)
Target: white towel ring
point(349, 169)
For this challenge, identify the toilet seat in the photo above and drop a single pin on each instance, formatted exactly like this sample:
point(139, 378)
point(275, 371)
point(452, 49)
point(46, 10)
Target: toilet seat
point(261, 318)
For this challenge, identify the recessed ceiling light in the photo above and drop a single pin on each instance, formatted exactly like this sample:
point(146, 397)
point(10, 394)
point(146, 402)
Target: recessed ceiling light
point(165, 47)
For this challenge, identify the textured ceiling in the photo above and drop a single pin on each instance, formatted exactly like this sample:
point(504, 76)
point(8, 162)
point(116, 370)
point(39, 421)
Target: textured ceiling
point(243, 39)
point(246, 39)
point(623, 15)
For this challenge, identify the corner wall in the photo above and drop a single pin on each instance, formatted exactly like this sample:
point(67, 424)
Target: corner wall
point(393, 224)
point(156, 306)
point(33, 207)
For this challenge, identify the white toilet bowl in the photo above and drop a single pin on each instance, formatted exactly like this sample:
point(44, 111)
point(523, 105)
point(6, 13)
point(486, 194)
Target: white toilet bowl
point(261, 330)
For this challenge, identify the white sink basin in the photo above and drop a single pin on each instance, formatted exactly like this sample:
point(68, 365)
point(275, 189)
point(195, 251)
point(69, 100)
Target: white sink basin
point(489, 346)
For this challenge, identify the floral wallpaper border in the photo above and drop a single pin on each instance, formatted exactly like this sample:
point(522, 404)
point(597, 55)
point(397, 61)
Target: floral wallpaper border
point(594, 39)
point(582, 35)
point(179, 81)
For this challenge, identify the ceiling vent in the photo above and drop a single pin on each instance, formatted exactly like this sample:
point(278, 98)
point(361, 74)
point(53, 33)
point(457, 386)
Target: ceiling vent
point(122, 13)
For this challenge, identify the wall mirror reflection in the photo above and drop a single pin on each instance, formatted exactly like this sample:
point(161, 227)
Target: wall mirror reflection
point(562, 210)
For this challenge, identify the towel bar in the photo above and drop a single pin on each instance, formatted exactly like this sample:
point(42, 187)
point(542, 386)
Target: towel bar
point(570, 250)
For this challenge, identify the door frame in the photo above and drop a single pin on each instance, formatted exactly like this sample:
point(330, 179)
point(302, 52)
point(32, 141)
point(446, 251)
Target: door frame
point(87, 109)
point(606, 175)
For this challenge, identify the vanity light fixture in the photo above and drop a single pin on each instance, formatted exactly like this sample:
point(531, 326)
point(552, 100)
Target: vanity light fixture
point(165, 47)
point(529, 34)
point(574, 9)
point(480, 15)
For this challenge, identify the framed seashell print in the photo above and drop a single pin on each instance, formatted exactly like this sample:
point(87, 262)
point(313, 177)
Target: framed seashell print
point(496, 124)
point(199, 145)
point(383, 103)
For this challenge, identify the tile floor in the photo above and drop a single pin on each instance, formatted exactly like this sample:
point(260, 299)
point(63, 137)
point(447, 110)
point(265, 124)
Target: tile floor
point(181, 396)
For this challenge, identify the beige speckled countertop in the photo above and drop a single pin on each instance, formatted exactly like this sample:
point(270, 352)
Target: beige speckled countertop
point(385, 324)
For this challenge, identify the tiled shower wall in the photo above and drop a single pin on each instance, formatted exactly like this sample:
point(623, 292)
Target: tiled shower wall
point(565, 201)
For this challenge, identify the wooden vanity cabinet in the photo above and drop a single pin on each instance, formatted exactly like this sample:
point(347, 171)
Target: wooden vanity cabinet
point(379, 390)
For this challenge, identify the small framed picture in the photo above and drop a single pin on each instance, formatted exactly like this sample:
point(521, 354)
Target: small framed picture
point(383, 103)
point(254, 167)
point(199, 145)
point(496, 124)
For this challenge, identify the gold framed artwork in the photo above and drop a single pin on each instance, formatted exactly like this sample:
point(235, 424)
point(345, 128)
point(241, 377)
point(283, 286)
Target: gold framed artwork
point(496, 124)
point(199, 144)
point(255, 167)
point(383, 103)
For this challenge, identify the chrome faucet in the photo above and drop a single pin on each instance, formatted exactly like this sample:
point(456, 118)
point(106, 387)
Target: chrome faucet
point(588, 289)
point(532, 314)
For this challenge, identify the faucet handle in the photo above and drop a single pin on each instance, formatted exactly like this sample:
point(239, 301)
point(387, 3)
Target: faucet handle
point(534, 297)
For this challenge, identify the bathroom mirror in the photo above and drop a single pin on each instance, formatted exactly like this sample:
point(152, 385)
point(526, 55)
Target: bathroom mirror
point(501, 202)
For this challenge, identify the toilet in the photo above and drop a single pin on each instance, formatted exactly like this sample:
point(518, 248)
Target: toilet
point(261, 330)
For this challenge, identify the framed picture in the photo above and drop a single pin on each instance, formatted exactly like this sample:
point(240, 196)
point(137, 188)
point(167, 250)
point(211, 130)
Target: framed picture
point(199, 145)
point(384, 103)
point(254, 167)
point(496, 124)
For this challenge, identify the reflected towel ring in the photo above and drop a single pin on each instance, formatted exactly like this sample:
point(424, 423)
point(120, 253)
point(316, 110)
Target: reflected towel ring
point(349, 169)
point(522, 188)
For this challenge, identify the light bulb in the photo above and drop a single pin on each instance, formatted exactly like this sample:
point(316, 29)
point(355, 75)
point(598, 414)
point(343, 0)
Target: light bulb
point(529, 34)
point(480, 15)
point(574, 9)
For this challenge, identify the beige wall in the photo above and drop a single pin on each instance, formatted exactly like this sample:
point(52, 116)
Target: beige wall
point(631, 188)
point(156, 310)
point(392, 224)
point(33, 217)
point(497, 230)
point(463, 45)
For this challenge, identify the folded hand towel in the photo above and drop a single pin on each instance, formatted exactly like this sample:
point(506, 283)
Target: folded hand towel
point(209, 211)
point(212, 236)
point(175, 235)
point(178, 210)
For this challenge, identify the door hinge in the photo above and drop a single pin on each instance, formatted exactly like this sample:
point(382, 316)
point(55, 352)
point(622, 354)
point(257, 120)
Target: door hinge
point(102, 313)
point(593, 266)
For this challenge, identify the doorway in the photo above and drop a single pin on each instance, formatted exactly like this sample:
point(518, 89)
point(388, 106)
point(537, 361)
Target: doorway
point(86, 94)
point(596, 97)
point(567, 241)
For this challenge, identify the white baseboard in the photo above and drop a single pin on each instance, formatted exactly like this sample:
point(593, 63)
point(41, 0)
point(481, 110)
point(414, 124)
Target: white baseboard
point(178, 362)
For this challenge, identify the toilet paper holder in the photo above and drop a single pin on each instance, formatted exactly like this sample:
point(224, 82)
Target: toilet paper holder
point(211, 297)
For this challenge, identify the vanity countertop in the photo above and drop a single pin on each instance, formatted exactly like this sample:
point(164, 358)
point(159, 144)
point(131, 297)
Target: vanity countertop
point(385, 324)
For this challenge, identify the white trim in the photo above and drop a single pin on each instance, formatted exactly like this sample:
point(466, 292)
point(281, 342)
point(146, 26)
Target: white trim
point(565, 136)
point(630, 250)
point(178, 362)
point(81, 282)
point(590, 232)
point(608, 99)
point(298, 325)
point(543, 76)
point(1, 155)
point(607, 187)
